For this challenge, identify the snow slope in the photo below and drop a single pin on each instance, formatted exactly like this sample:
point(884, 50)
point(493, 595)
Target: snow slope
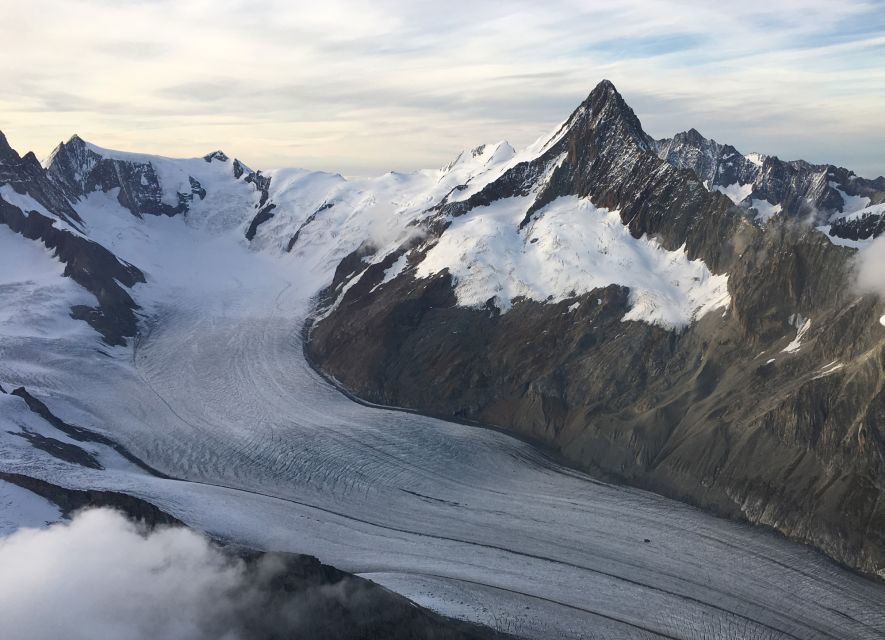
point(736, 192)
point(570, 248)
point(34, 297)
point(19, 508)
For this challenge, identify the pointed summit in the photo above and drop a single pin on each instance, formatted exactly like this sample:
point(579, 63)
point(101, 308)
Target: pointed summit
point(74, 145)
point(692, 136)
point(605, 115)
point(605, 90)
point(605, 96)
point(69, 164)
point(7, 152)
point(219, 155)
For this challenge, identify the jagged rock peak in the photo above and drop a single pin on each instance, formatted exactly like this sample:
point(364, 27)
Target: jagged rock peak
point(216, 155)
point(240, 169)
point(691, 136)
point(604, 90)
point(74, 143)
point(31, 163)
point(604, 110)
point(6, 151)
point(605, 97)
point(75, 146)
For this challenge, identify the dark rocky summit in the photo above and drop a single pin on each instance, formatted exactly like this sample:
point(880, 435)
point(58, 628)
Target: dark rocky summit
point(859, 228)
point(726, 414)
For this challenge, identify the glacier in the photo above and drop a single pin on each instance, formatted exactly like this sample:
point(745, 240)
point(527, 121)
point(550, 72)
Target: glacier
point(261, 450)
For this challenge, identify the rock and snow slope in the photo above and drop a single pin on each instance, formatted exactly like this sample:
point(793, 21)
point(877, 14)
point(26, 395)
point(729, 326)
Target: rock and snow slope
point(570, 249)
point(211, 411)
point(526, 307)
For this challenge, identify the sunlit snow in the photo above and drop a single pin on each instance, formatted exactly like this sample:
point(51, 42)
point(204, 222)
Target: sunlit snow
point(737, 192)
point(765, 211)
point(570, 248)
point(803, 325)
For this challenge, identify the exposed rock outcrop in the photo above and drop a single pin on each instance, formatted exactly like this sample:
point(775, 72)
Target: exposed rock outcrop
point(79, 169)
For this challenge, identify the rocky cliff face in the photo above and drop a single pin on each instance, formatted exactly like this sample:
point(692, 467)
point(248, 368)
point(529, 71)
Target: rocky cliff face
point(769, 408)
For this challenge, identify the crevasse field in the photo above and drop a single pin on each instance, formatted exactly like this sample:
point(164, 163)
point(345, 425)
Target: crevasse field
point(216, 393)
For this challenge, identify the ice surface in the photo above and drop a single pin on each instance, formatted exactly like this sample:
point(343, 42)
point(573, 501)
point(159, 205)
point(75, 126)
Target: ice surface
point(34, 299)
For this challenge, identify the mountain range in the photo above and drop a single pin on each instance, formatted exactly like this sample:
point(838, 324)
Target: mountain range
point(671, 314)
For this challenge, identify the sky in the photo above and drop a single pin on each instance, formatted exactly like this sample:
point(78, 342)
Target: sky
point(367, 87)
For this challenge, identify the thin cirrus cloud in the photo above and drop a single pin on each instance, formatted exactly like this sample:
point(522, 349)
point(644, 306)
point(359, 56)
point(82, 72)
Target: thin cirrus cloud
point(366, 87)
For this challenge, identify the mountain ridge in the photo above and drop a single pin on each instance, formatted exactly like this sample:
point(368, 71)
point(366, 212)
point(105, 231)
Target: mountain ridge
point(526, 323)
point(826, 194)
point(685, 413)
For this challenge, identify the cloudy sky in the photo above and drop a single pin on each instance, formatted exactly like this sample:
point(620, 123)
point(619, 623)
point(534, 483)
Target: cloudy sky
point(363, 87)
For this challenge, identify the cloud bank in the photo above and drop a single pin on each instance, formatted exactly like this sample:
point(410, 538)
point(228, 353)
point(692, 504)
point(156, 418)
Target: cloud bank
point(102, 577)
point(367, 87)
point(871, 269)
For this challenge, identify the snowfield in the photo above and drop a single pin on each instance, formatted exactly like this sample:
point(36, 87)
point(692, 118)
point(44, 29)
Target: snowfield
point(570, 248)
point(736, 192)
point(216, 393)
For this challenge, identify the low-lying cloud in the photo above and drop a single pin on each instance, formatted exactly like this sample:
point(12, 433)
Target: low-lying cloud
point(871, 269)
point(101, 576)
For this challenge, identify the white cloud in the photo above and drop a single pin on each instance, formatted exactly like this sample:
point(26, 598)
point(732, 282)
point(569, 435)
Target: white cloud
point(871, 268)
point(365, 87)
point(101, 577)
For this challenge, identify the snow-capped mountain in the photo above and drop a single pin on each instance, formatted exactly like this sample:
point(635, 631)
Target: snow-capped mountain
point(595, 294)
point(629, 303)
point(847, 206)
